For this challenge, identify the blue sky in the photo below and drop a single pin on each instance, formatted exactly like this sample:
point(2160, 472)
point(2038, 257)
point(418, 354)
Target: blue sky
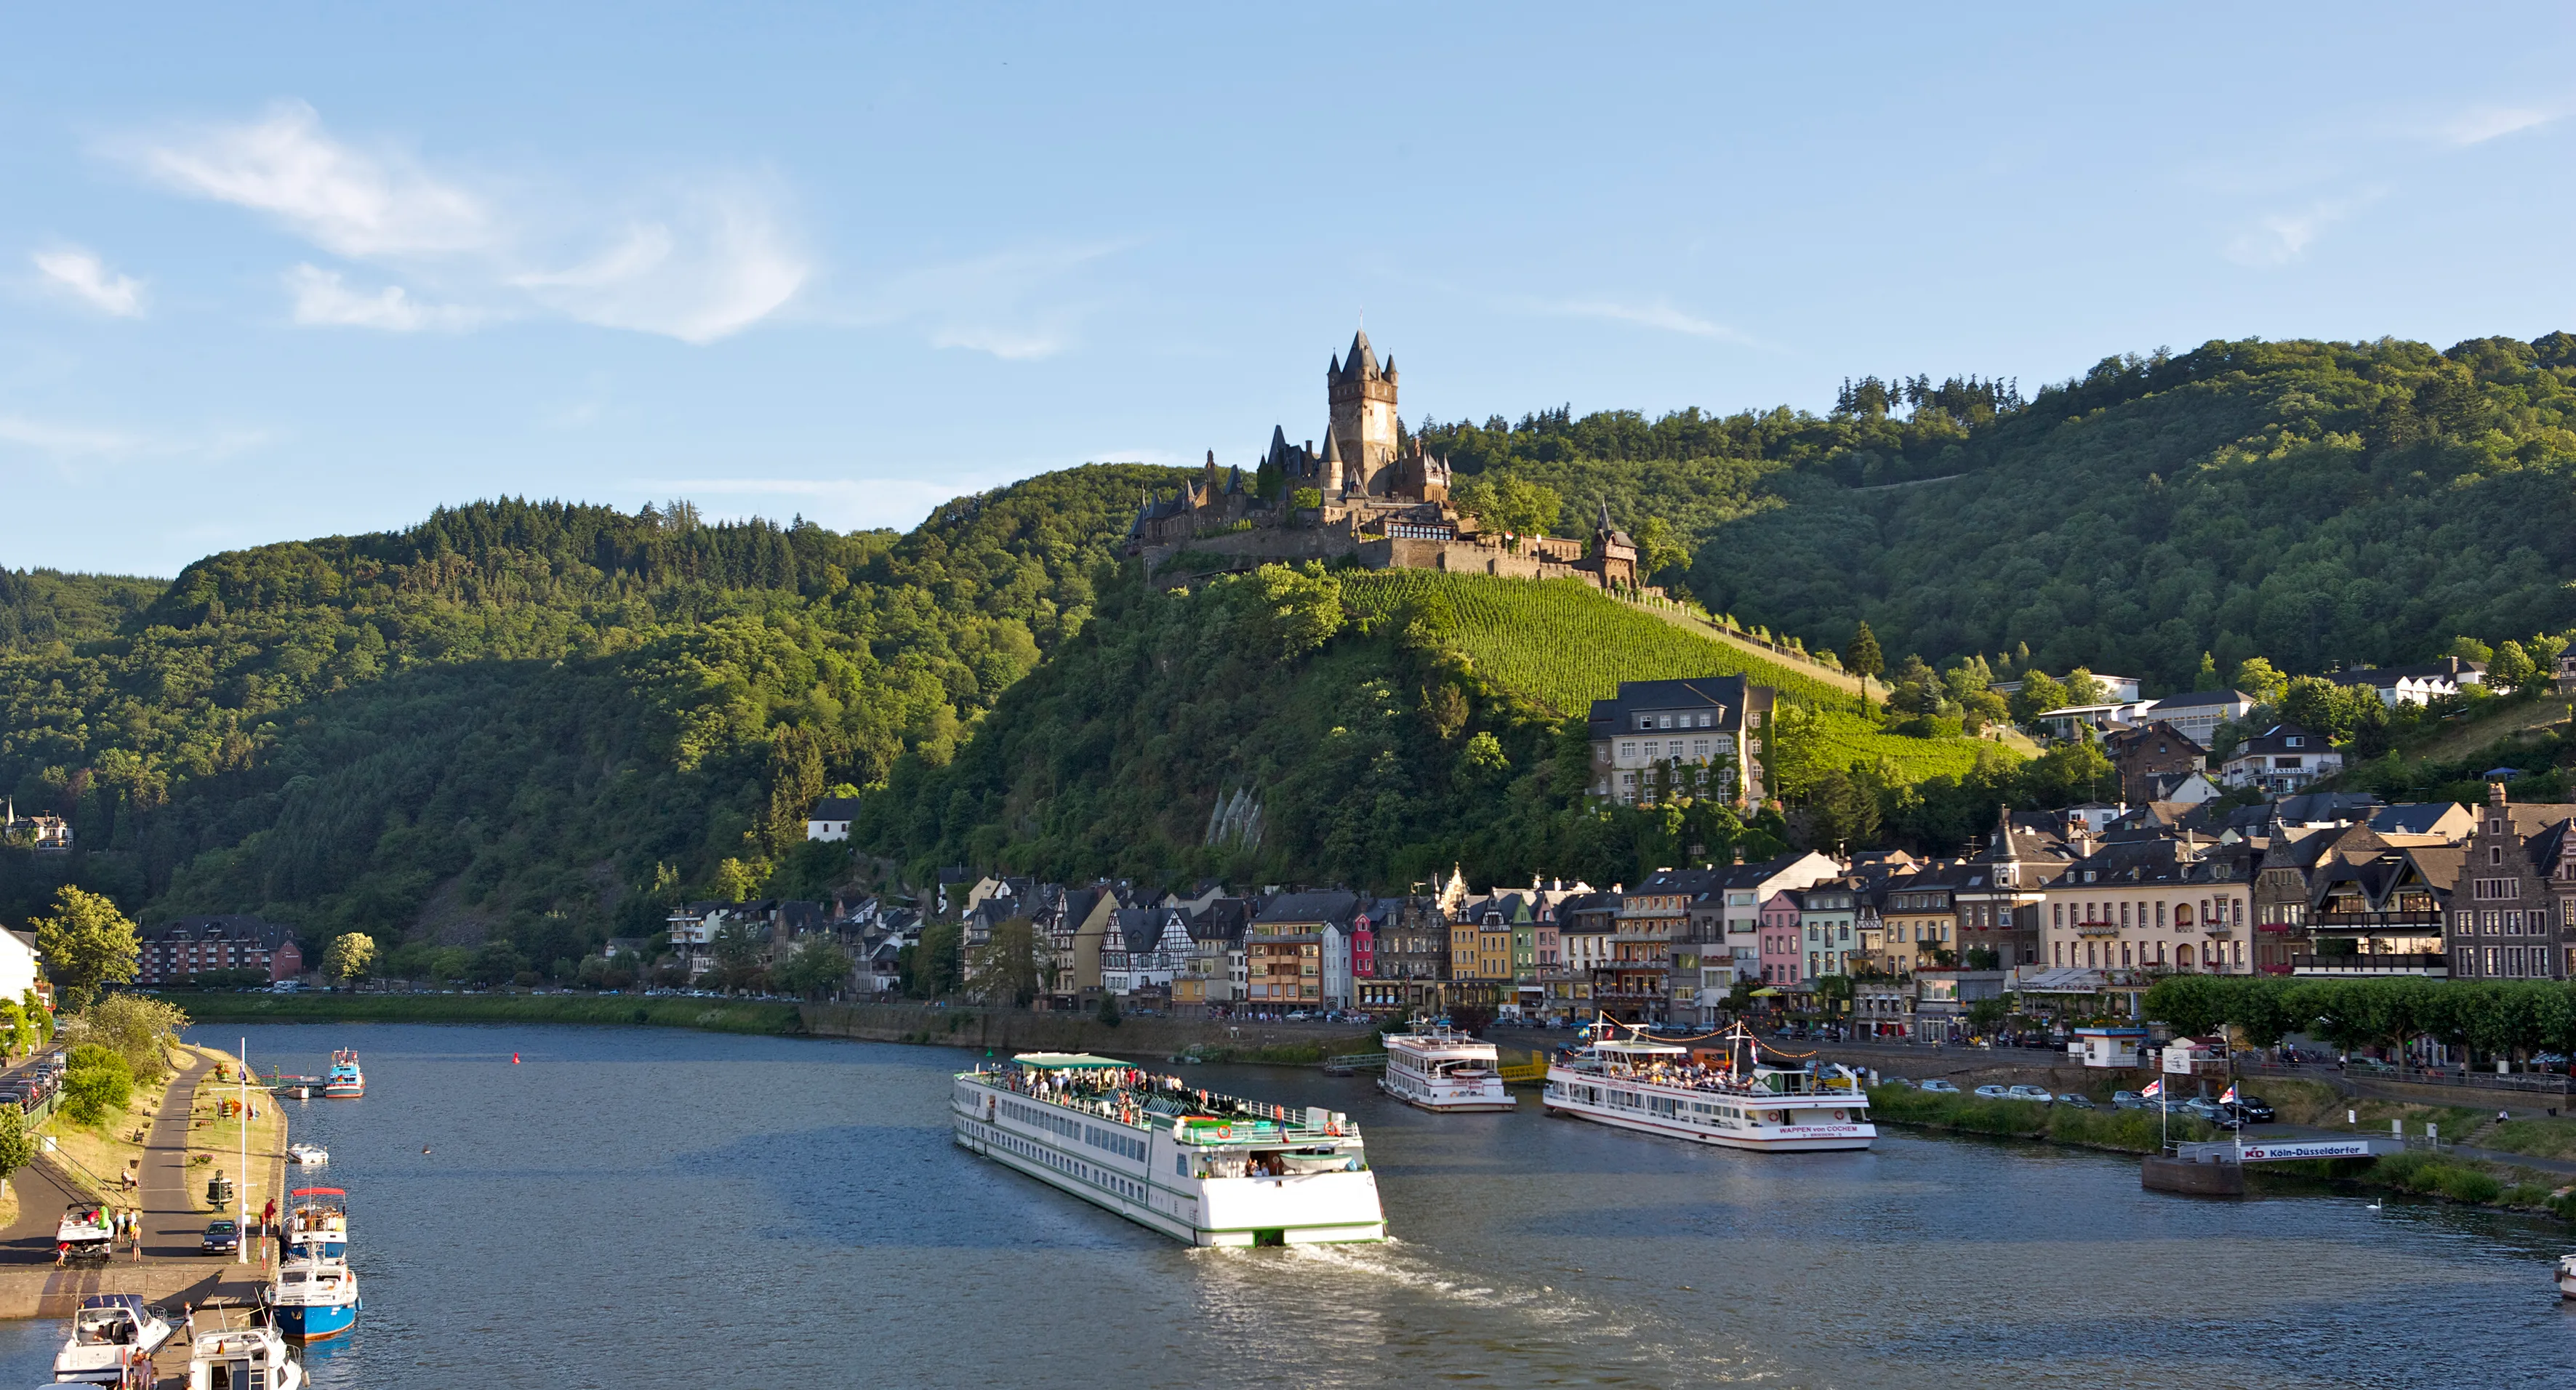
point(321, 269)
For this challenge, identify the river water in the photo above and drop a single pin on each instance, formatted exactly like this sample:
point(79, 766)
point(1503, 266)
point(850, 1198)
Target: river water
point(659, 1208)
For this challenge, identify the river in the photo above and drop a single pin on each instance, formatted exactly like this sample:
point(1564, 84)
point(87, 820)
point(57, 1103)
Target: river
point(641, 1207)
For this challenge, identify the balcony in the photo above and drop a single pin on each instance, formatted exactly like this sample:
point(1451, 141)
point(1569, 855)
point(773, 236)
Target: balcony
point(2431, 965)
point(2425, 923)
point(2097, 929)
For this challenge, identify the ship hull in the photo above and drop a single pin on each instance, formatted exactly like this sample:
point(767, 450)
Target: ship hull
point(314, 1322)
point(1138, 1182)
point(1443, 1098)
point(1584, 1097)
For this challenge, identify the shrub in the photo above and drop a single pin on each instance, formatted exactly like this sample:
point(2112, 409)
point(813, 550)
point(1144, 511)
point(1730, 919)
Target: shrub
point(97, 1085)
point(137, 1029)
point(2469, 1185)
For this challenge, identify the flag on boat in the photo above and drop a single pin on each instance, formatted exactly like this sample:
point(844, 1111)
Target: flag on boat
point(2229, 1098)
point(2154, 1089)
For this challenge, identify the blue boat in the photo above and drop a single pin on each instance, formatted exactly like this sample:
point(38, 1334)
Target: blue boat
point(313, 1299)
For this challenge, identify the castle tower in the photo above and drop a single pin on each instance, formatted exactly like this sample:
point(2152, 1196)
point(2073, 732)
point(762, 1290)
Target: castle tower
point(1363, 401)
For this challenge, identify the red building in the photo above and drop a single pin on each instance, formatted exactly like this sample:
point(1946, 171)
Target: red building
point(200, 945)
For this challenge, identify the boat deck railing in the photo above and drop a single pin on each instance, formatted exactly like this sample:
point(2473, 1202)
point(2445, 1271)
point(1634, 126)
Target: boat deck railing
point(1146, 1108)
point(1715, 1084)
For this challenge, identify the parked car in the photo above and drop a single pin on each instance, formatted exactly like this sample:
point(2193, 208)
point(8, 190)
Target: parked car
point(1990, 1092)
point(1896, 1081)
point(2128, 1100)
point(2037, 1093)
point(2253, 1111)
point(2077, 1102)
point(1940, 1086)
point(221, 1238)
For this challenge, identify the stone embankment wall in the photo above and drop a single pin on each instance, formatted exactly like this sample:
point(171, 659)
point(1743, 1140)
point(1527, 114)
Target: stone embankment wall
point(1019, 1030)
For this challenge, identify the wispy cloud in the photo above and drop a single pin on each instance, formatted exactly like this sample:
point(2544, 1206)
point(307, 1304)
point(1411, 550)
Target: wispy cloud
point(2279, 238)
point(81, 274)
point(2480, 124)
point(698, 264)
point(350, 202)
point(323, 299)
point(64, 441)
point(1658, 314)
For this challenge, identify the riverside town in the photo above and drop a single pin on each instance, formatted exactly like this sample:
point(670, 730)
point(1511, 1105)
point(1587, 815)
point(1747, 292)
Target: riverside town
point(1928, 742)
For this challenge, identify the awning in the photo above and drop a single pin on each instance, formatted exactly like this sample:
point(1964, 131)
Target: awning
point(1066, 1061)
point(1766, 992)
point(2067, 979)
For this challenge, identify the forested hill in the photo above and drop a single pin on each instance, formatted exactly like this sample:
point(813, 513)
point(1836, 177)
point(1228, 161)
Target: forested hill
point(2316, 504)
point(540, 718)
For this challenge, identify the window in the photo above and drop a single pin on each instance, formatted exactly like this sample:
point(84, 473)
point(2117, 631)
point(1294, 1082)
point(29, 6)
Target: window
point(2160, 914)
point(2495, 854)
point(1664, 723)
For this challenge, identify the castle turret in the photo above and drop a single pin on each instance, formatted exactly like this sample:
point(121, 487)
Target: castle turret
point(1362, 395)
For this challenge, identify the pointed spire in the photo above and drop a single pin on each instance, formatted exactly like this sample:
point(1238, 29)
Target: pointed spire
point(1605, 527)
point(1361, 360)
point(1332, 451)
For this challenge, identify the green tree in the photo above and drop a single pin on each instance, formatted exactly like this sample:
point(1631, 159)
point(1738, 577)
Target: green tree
point(736, 947)
point(2260, 681)
point(2039, 694)
point(932, 970)
point(1109, 1010)
point(352, 956)
point(2206, 678)
point(2512, 669)
point(17, 1147)
point(1011, 965)
point(1659, 547)
point(140, 1030)
point(1864, 658)
point(2469, 649)
point(816, 969)
point(1290, 611)
point(87, 944)
point(795, 783)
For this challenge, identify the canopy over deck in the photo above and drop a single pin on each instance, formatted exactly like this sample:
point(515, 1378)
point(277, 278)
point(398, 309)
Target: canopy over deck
point(1068, 1061)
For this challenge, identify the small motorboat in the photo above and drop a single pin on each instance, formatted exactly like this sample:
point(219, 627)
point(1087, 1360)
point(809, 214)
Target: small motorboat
point(243, 1358)
point(111, 1333)
point(313, 1298)
point(317, 1222)
point(308, 1155)
point(84, 1233)
point(345, 1081)
point(2567, 1276)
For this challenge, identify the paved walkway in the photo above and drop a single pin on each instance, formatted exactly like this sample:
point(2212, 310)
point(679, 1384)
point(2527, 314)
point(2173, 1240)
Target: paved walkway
point(173, 1223)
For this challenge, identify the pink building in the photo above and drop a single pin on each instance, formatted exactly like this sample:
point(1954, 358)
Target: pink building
point(1781, 962)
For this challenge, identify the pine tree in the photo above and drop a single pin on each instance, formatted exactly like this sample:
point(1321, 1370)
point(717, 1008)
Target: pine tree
point(2208, 677)
point(1864, 660)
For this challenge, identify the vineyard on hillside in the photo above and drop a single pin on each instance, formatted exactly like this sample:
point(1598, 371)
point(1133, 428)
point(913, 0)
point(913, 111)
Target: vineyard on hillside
point(1563, 644)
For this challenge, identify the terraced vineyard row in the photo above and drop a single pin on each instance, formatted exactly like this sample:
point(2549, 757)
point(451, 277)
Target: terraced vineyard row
point(1564, 645)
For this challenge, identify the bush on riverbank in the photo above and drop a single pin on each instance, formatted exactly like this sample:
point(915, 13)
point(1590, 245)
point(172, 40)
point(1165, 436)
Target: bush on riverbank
point(715, 1015)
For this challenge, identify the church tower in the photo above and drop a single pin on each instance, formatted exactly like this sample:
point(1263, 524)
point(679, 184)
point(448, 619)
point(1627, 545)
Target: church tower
point(1363, 429)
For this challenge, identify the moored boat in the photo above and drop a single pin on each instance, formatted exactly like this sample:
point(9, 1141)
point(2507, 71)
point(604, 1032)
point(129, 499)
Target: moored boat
point(313, 1298)
point(83, 1233)
point(1727, 1097)
point(243, 1358)
point(1438, 1068)
point(1197, 1166)
point(345, 1081)
point(110, 1334)
point(317, 1222)
point(2567, 1276)
point(308, 1155)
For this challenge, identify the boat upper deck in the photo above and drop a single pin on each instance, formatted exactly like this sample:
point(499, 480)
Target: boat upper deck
point(1106, 1089)
point(1662, 1065)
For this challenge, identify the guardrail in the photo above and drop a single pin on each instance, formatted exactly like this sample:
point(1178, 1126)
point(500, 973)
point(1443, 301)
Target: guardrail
point(2539, 1083)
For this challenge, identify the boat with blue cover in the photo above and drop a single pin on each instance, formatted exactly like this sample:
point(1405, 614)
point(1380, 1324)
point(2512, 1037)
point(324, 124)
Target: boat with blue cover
point(312, 1298)
point(346, 1081)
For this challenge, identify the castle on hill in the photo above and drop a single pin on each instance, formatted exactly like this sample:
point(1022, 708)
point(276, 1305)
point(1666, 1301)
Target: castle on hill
point(1365, 494)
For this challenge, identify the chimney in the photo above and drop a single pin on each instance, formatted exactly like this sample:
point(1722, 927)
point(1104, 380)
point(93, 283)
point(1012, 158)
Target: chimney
point(2495, 793)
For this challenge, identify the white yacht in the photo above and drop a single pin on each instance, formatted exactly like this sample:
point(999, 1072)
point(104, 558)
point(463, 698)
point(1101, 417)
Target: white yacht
point(2567, 1276)
point(1197, 1166)
point(308, 1155)
point(243, 1358)
point(1437, 1068)
point(1723, 1096)
point(111, 1333)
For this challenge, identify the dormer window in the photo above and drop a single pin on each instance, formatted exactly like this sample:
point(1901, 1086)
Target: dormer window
point(2291, 742)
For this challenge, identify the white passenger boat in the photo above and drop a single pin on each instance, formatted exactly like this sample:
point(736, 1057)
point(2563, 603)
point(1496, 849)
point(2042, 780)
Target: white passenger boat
point(1437, 1068)
point(1720, 1095)
point(2567, 1276)
point(110, 1334)
point(243, 1358)
point(1197, 1166)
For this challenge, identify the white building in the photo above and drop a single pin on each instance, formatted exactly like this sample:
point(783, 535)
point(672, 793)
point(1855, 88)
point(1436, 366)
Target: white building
point(2415, 685)
point(830, 819)
point(2283, 760)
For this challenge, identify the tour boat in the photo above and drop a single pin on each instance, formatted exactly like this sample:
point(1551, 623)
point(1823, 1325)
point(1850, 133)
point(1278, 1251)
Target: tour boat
point(1197, 1166)
point(110, 1333)
point(317, 1222)
point(243, 1358)
point(345, 1081)
point(1708, 1097)
point(84, 1233)
point(308, 1155)
point(2567, 1276)
point(1438, 1069)
point(313, 1298)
